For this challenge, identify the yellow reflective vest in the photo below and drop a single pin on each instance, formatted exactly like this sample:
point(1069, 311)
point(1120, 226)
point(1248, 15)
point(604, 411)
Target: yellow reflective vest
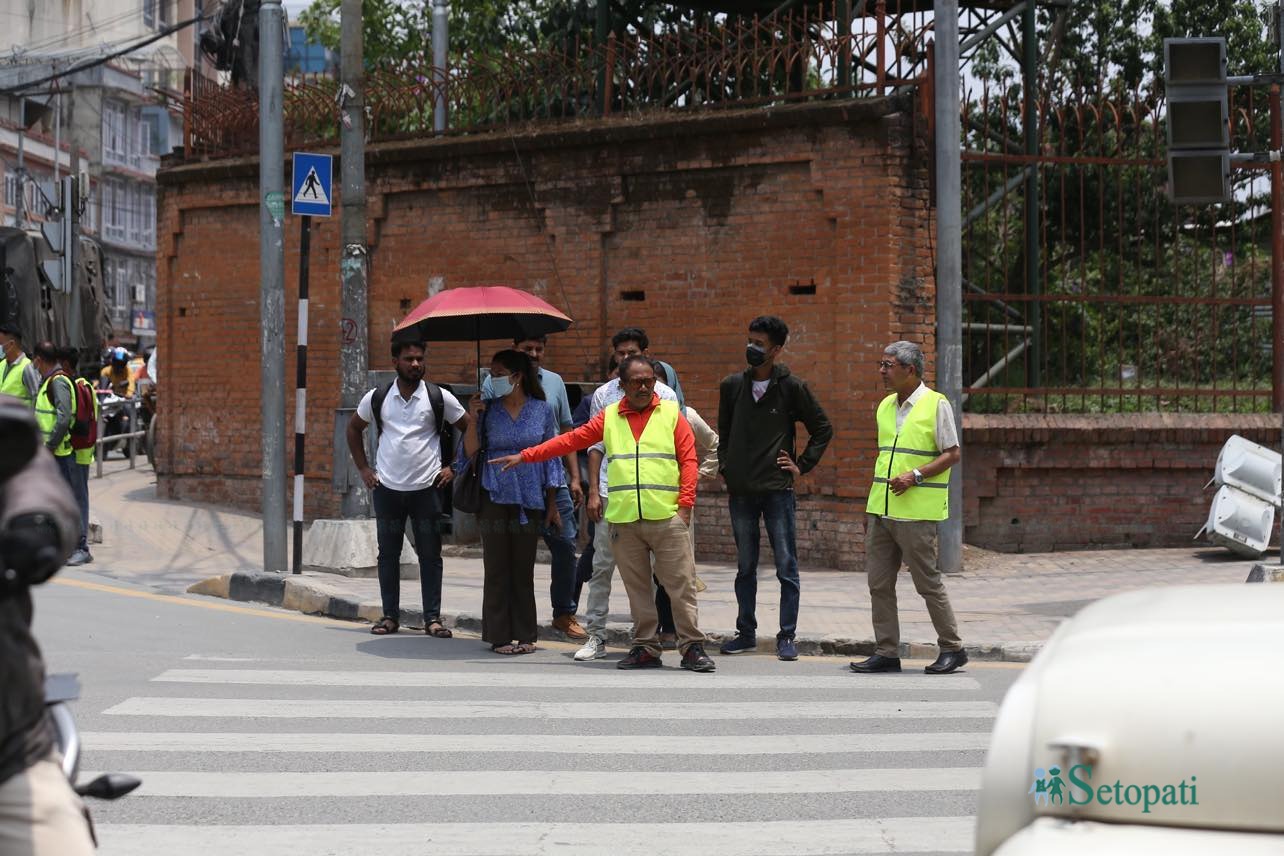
point(47, 416)
point(642, 476)
point(12, 378)
point(902, 451)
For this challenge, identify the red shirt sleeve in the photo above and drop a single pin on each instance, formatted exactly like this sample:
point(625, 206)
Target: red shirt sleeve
point(688, 463)
point(573, 441)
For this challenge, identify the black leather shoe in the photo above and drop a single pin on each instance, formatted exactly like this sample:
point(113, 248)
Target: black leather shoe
point(639, 658)
point(947, 662)
point(878, 663)
point(696, 660)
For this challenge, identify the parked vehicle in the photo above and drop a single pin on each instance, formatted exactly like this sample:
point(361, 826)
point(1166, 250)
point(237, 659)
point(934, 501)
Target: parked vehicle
point(60, 691)
point(1150, 723)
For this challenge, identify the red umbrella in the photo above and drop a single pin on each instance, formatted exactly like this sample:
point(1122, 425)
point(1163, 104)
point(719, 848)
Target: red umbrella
point(482, 312)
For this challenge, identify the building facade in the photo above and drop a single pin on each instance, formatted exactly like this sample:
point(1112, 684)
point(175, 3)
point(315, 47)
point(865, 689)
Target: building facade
point(109, 124)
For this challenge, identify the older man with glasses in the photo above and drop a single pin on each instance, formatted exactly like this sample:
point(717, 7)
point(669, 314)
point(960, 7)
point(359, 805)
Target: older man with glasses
point(917, 445)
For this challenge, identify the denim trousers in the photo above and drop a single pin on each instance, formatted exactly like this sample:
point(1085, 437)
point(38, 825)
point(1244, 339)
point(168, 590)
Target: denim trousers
point(423, 509)
point(77, 480)
point(776, 509)
point(562, 587)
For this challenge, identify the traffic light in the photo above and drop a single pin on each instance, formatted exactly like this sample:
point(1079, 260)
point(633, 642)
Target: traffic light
point(1242, 514)
point(1198, 120)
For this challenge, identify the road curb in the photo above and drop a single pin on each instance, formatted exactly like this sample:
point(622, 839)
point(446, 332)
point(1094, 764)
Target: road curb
point(314, 597)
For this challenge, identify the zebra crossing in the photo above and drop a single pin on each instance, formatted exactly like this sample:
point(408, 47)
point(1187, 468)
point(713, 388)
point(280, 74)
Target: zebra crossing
point(542, 757)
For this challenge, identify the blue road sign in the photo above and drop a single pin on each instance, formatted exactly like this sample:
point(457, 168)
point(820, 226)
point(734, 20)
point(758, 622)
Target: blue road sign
point(312, 183)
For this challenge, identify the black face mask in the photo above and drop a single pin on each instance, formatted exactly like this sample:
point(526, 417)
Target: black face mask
point(755, 355)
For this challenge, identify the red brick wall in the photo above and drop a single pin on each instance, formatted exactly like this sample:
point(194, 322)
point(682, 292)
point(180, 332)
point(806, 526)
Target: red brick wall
point(712, 219)
point(1036, 483)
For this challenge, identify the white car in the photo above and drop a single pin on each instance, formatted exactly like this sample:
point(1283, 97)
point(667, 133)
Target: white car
point(1152, 722)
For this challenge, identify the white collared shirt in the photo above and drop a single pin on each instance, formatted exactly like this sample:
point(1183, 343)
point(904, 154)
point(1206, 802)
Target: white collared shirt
point(409, 453)
point(947, 435)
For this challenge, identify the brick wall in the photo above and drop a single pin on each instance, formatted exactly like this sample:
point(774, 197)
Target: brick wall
point(686, 226)
point(1046, 482)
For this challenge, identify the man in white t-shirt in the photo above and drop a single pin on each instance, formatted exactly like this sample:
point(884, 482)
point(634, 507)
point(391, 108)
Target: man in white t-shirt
point(406, 480)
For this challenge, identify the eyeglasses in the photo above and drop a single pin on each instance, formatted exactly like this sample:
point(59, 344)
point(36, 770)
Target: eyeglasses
point(888, 364)
point(641, 383)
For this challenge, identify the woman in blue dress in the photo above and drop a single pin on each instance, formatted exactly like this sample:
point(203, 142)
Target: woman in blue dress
point(516, 503)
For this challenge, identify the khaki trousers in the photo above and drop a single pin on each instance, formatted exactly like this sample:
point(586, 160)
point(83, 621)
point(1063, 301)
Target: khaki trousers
point(40, 815)
point(669, 542)
point(888, 543)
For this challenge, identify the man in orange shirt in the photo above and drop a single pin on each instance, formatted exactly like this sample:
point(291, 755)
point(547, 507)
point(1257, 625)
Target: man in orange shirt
point(652, 472)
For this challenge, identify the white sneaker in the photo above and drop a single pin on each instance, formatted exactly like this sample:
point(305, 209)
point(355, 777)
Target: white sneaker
point(80, 557)
point(594, 649)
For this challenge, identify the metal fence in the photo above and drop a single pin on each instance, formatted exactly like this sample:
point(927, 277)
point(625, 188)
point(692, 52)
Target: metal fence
point(1102, 296)
point(824, 50)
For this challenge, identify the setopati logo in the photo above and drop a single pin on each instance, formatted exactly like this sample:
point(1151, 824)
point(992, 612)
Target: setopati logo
point(1076, 788)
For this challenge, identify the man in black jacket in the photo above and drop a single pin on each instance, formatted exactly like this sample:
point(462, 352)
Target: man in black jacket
point(39, 524)
point(757, 412)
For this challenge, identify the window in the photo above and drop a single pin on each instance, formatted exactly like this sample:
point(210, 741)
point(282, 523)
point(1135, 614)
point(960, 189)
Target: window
point(165, 11)
point(149, 217)
point(10, 189)
point(115, 206)
point(149, 13)
point(115, 141)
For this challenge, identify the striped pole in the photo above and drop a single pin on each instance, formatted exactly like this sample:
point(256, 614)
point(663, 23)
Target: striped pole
point(301, 390)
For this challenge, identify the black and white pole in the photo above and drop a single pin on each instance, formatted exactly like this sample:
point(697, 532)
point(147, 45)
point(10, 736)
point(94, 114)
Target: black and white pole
point(301, 390)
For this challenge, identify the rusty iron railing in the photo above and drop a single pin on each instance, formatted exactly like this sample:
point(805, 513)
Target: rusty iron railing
point(1137, 304)
point(802, 54)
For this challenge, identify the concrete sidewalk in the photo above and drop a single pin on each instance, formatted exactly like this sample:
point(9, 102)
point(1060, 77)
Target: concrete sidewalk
point(1006, 605)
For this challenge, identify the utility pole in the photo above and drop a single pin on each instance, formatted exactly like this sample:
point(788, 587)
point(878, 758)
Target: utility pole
point(272, 284)
point(70, 188)
point(949, 258)
point(353, 266)
point(20, 214)
point(440, 60)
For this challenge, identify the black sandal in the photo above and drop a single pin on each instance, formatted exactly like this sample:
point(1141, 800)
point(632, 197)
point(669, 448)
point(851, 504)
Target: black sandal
point(385, 626)
point(438, 630)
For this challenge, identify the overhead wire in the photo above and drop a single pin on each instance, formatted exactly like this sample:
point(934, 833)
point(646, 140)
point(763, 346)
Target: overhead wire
point(102, 60)
point(68, 36)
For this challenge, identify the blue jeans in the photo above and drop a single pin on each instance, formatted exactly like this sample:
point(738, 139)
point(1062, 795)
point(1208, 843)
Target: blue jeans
point(777, 509)
point(423, 509)
point(71, 473)
point(82, 499)
point(561, 543)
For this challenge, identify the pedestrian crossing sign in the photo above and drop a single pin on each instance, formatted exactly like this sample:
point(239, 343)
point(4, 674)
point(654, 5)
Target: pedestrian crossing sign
point(313, 180)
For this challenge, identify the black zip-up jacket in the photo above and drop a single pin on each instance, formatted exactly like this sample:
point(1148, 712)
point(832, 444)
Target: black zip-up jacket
point(752, 433)
point(26, 735)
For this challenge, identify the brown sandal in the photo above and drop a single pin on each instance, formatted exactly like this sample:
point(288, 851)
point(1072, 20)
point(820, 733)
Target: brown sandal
point(385, 626)
point(438, 630)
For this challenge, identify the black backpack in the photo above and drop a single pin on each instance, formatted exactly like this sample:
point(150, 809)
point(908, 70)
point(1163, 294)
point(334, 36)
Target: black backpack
point(435, 399)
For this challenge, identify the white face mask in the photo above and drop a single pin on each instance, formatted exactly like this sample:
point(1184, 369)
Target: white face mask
point(501, 386)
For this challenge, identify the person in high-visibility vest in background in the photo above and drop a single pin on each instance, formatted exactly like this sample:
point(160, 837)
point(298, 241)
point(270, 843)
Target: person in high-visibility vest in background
point(918, 443)
point(18, 375)
point(82, 449)
point(652, 471)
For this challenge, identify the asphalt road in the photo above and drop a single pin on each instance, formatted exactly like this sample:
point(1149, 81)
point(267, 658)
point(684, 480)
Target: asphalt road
point(260, 731)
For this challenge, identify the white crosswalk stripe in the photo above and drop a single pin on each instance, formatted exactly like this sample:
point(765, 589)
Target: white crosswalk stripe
point(815, 838)
point(583, 679)
point(436, 709)
point(505, 745)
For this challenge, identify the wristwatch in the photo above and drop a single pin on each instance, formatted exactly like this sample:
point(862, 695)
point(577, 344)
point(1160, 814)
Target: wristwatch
point(918, 476)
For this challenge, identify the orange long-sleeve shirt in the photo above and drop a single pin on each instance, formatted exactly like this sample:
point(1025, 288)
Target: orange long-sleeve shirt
point(592, 431)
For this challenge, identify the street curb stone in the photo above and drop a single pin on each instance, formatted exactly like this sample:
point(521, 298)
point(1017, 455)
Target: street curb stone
point(314, 598)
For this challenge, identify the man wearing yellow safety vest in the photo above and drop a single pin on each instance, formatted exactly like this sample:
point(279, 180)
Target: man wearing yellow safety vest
point(652, 472)
point(18, 375)
point(56, 409)
point(84, 457)
point(917, 445)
